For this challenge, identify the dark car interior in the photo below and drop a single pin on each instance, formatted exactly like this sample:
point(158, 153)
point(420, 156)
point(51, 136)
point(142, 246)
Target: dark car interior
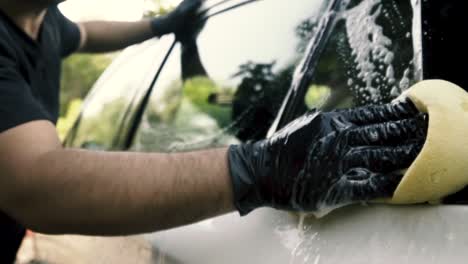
point(445, 53)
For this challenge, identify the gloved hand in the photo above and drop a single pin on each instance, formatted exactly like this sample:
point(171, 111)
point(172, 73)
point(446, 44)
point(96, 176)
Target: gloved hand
point(325, 159)
point(176, 20)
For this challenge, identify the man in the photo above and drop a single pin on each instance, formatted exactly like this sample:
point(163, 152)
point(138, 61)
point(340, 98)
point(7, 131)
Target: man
point(321, 159)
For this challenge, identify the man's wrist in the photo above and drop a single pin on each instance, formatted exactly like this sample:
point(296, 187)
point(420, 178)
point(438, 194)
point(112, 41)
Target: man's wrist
point(246, 192)
point(160, 26)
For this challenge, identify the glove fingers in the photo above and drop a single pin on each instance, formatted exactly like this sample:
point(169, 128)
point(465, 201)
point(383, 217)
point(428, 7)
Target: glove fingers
point(375, 186)
point(382, 159)
point(394, 111)
point(360, 185)
point(390, 133)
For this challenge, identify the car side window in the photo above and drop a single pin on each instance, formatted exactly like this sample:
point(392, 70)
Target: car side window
point(244, 69)
point(121, 86)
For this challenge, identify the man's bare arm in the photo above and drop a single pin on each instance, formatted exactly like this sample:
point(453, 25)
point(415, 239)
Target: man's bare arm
point(105, 36)
point(55, 190)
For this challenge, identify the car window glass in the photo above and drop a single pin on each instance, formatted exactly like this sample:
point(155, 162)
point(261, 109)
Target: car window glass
point(129, 75)
point(249, 55)
point(370, 58)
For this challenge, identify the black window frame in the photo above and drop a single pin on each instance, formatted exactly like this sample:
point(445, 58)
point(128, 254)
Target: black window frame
point(306, 69)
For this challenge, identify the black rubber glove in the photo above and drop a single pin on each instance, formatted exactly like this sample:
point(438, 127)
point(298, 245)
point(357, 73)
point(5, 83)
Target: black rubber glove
point(326, 159)
point(176, 20)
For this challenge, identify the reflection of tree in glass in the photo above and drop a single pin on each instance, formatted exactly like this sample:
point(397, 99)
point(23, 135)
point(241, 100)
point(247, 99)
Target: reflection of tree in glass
point(191, 122)
point(79, 73)
point(201, 91)
point(261, 92)
point(258, 98)
point(165, 108)
point(99, 130)
point(305, 31)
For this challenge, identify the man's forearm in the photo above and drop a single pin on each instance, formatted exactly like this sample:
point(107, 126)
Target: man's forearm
point(105, 36)
point(100, 193)
point(102, 36)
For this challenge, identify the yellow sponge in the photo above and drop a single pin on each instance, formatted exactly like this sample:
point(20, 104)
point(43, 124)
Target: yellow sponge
point(441, 168)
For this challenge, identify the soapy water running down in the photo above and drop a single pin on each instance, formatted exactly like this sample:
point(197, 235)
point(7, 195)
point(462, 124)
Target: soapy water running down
point(373, 53)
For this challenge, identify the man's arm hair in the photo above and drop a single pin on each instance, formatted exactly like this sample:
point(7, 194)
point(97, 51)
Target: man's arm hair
point(106, 36)
point(54, 190)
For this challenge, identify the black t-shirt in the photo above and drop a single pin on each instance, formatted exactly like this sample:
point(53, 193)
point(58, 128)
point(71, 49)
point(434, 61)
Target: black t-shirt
point(29, 89)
